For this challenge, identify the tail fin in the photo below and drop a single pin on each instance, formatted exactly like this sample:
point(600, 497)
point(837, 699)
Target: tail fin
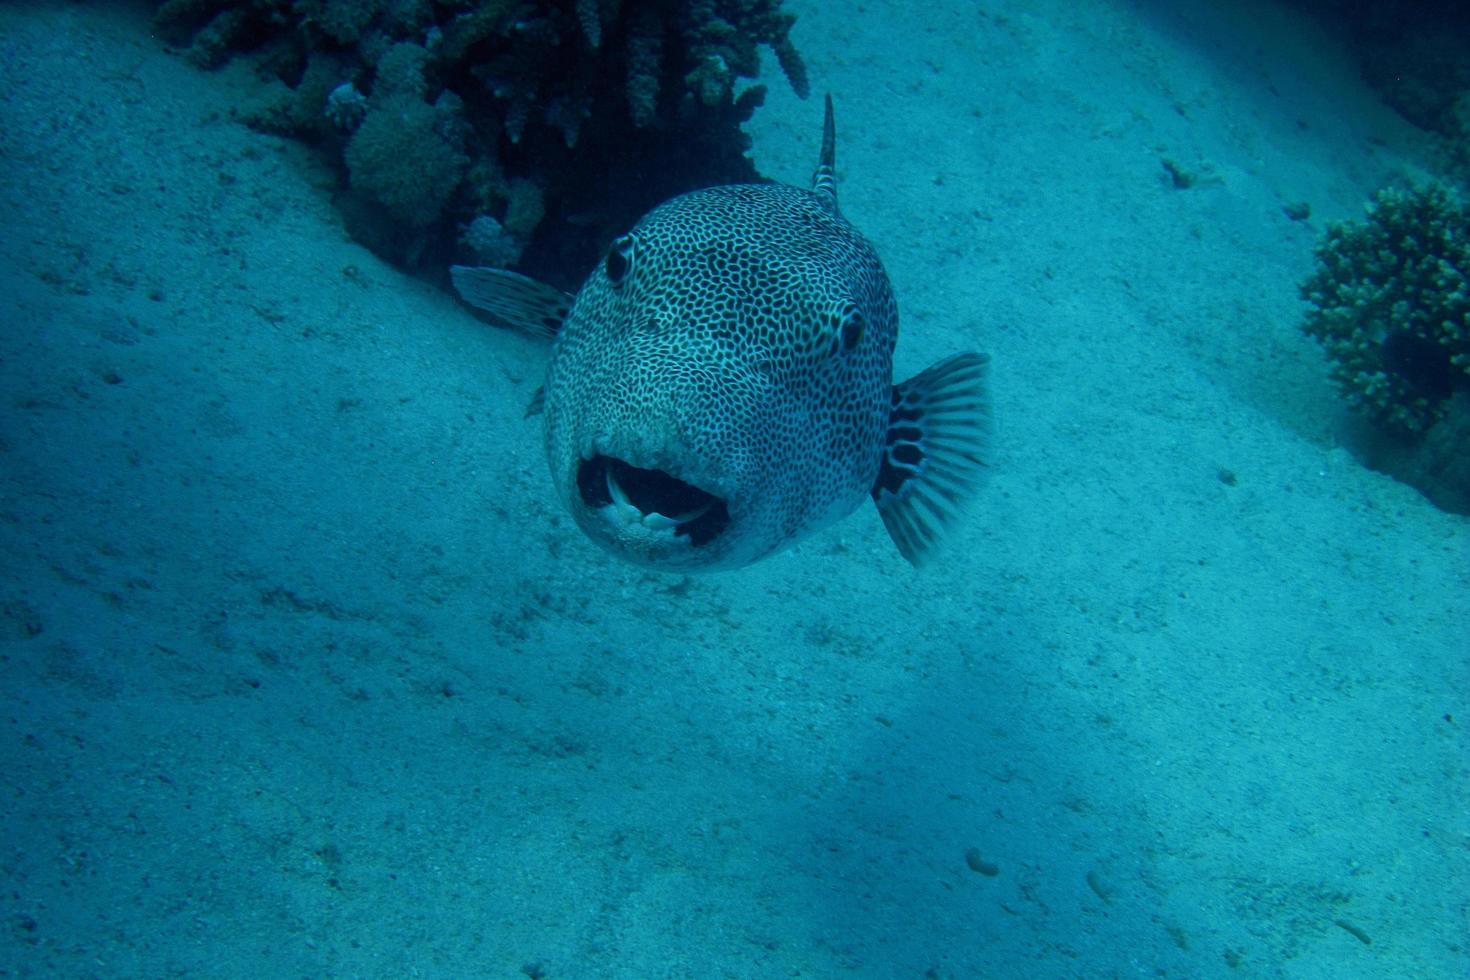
point(935, 457)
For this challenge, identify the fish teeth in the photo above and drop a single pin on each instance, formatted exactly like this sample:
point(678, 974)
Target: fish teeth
point(659, 522)
point(628, 512)
point(621, 505)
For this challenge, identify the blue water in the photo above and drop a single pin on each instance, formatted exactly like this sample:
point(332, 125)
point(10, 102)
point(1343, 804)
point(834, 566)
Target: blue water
point(306, 674)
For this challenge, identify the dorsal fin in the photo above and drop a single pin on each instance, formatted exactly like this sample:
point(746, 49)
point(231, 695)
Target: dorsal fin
point(824, 181)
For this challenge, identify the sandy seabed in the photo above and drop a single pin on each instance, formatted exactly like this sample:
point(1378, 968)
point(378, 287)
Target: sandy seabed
point(306, 674)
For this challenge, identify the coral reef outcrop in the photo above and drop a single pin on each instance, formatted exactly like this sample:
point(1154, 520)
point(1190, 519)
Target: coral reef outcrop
point(442, 112)
point(1390, 304)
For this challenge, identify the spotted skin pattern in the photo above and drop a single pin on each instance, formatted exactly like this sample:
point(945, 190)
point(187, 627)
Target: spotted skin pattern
point(739, 339)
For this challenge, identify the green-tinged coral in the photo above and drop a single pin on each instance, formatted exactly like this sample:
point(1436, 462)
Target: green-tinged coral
point(401, 72)
point(404, 157)
point(1391, 306)
point(793, 67)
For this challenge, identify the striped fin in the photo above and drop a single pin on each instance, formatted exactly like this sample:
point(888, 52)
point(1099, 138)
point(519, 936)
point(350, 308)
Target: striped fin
point(513, 300)
point(934, 458)
point(824, 180)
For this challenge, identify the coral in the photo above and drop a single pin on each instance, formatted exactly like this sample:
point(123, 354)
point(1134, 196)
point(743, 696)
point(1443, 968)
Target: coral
point(342, 20)
point(308, 110)
point(793, 67)
point(1391, 306)
point(525, 207)
point(492, 243)
point(404, 157)
point(483, 23)
point(441, 112)
point(404, 17)
point(400, 71)
point(212, 42)
point(590, 18)
point(346, 106)
point(645, 52)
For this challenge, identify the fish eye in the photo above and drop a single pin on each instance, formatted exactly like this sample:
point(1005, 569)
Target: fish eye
point(851, 326)
point(619, 259)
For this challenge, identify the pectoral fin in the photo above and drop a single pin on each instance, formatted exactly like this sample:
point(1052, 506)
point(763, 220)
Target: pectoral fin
point(513, 300)
point(935, 456)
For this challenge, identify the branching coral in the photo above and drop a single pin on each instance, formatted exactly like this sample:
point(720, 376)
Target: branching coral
point(1391, 306)
point(638, 99)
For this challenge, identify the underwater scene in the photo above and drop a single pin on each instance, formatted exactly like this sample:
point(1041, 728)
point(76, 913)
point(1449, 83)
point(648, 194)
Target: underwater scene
point(735, 489)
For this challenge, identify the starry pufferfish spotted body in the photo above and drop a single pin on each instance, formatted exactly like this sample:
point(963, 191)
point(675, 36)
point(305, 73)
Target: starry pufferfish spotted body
point(721, 385)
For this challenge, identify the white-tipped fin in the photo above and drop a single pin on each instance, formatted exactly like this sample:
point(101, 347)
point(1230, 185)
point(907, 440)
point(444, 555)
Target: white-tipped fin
point(935, 455)
point(516, 301)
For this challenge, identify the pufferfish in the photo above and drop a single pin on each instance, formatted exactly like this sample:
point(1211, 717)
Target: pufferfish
point(722, 384)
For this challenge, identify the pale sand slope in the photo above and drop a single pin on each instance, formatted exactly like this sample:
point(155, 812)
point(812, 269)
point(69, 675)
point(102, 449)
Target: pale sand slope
point(305, 674)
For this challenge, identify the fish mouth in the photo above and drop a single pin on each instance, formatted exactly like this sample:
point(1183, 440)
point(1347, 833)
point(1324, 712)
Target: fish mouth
point(655, 499)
